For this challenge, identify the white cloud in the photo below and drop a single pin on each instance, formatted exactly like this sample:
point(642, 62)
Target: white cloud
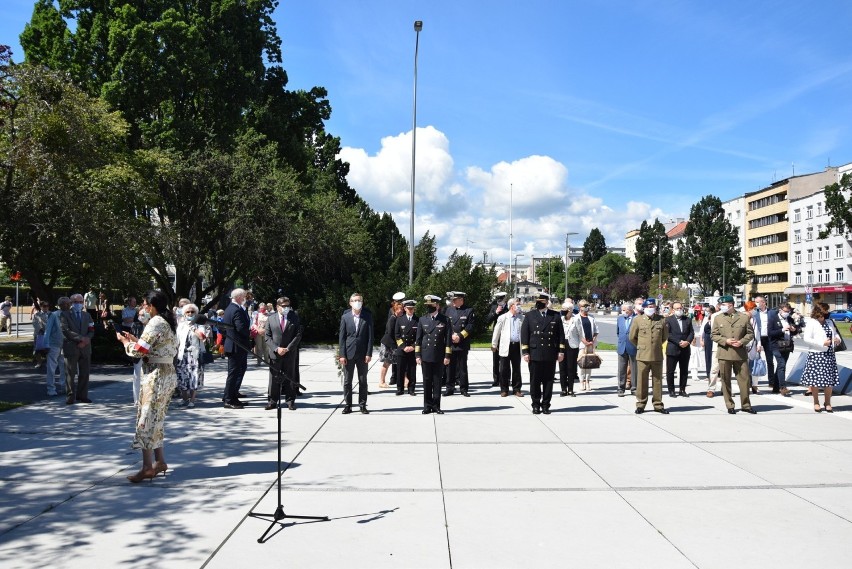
point(469, 211)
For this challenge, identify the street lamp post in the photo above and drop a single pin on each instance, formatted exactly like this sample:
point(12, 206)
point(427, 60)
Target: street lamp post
point(418, 25)
point(659, 265)
point(516, 267)
point(723, 272)
point(567, 249)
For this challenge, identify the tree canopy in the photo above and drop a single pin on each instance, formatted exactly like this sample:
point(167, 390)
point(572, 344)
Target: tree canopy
point(838, 205)
point(594, 247)
point(653, 249)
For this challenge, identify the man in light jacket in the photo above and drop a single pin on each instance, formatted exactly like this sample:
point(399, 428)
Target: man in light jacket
point(506, 342)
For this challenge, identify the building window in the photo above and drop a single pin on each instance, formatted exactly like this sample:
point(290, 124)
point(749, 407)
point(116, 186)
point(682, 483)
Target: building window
point(819, 275)
point(839, 275)
point(797, 216)
point(839, 300)
point(819, 208)
point(798, 278)
point(797, 236)
point(809, 256)
point(838, 251)
point(810, 277)
point(809, 234)
point(809, 212)
point(797, 257)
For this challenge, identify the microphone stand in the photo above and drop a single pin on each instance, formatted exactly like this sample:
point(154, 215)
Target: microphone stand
point(276, 517)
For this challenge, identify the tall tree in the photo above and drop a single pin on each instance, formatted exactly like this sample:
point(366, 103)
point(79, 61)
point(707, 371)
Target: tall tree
point(709, 239)
point(653, 250)
point(594, 247)
point(838, 205)
point(551, 273)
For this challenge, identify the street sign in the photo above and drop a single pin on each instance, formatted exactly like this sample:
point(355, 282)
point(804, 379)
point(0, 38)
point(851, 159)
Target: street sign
point(660, 296)
point(16, 276)
point(594, 296)
point(808, 298)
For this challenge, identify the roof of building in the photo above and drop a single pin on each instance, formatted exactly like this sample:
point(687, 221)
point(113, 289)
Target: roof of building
point(677, 231)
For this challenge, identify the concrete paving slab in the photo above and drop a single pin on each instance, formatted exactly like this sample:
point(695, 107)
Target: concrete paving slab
point(662, 465)
point(747, 528)
point(837, 500)
point(482, 428)
point(592, 428)
point(553, 529)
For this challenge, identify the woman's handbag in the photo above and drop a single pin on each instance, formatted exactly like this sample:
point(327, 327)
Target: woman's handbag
point(589, 360)
point(206, 358)
point(41, 342)
point(758, 367)
point(841, 347)
point(785, 346)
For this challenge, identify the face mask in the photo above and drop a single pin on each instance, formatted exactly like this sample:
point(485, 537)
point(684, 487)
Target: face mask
point(784, 314)
point(569, 306)
point(285, 309)
point(638, 308)
point(189, 317)
point(584, 309)
point(540, 305)
point(678, 313)
point(77, 306)
point(430, 308)
point(144, 317)
point(357, 305)
point(724, 308)
point(650, 311)
point(519, 310)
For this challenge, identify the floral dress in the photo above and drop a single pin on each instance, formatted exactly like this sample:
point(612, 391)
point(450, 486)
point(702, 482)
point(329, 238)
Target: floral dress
point(821, 367)
point(157, 347)
point(190, 371)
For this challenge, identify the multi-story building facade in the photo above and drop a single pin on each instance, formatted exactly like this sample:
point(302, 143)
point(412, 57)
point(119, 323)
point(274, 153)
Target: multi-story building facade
point(767, 231)
point(735, 214)
point(630, 244)
point(820, 269)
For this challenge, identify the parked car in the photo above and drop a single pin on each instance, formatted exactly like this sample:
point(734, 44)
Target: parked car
point(841, 314)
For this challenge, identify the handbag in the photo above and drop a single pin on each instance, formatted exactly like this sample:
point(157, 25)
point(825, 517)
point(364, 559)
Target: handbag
point(841, 347)
point(41, 342)
point(785, 346)
point(206, 358)
point(589, 360)
point(758, 367)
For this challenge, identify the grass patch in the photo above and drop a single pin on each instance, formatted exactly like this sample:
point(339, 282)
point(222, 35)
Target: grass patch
point(7, 405)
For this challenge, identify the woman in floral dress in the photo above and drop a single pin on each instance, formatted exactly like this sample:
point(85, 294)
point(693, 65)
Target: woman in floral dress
point(821, 367)
point(157, 347)
point(190, 341)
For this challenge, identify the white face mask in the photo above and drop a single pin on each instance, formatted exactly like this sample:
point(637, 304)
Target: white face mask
point(650, 311)
point(784, 315)
point(678, 313)
point(144, 317)
point(569, 307)
point(357, 304)
point(285, 310)
point(637, 308)
point(724, 308)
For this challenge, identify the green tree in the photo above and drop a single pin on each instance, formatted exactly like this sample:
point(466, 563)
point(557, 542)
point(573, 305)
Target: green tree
point(626, 287)
point(604, 271)
point(551, 274)
point(477, 282)
point(66, 183)
point(838, 205)
point(653, 249)
point(594, 247)
point(708, 239)
point(576, 276)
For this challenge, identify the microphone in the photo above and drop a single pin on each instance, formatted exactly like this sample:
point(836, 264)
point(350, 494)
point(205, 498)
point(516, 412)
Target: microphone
point(202, 319)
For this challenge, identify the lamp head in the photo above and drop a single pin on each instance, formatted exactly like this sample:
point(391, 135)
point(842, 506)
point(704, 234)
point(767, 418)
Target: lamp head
point(418, 25)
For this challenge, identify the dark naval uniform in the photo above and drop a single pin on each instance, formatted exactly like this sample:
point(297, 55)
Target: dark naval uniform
point(496, 310)
point(461, 320)
point(432, 346)
point(405, 334)
point(543, 340)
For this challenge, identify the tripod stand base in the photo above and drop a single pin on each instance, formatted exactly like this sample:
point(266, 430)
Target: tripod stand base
point(278, 516)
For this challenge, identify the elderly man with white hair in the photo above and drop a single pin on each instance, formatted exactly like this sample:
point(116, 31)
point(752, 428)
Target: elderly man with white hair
point(236, 329)
point(78, 329)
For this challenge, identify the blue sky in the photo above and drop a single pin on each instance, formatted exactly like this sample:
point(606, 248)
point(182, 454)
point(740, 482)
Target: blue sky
point(597, 114)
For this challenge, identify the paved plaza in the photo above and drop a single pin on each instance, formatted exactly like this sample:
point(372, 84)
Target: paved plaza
point(488, 484)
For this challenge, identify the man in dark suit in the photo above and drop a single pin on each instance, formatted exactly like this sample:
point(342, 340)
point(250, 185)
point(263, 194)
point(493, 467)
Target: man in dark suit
point(236, 327)
point(78, 329)
point(497, 309)
point(433, 348)
point(625, 350)
point(283, 334)
point(461, 319)
point(780, 326)
point(356, 349)
point(542, 346)
point(678, 348)
point(405, 334)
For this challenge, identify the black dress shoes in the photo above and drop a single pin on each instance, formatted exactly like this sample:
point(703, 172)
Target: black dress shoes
point(662, 411)
point(347, 410)
point(400, 392)
point(412, 392)
point(364, 410)
point(683, 393)
point(536, 410)
point(84, 400)
point(750, 411)
point(672, 393)
point(291, 405)
point(732, 411)
point(465, 393)
point(563, 394)
point(639, 411)
point(438, 412)
point(449, 392)
point(495, 383)
point(426, 411)
point(546, 410)
point(234, 405)
point(270, 406)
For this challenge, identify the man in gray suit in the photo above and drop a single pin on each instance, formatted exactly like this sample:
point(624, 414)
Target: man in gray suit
point(356, 349)
point(283, 334)
point(78, 329)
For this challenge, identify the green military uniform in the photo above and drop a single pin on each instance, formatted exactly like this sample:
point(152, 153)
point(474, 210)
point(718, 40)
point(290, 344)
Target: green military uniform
point(648, 335)
point(737, 326)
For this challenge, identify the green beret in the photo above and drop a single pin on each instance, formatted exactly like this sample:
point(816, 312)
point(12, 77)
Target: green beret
point(727, 298)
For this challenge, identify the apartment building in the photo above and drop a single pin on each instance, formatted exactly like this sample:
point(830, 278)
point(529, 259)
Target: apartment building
point(820, 269)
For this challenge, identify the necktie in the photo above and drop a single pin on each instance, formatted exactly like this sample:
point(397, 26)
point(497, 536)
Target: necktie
point(283, 322)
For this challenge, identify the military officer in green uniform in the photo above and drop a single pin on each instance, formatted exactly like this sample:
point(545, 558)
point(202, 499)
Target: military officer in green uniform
point(542, 346)
point(433, 348)
point(732, 332)
point(648, 333)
